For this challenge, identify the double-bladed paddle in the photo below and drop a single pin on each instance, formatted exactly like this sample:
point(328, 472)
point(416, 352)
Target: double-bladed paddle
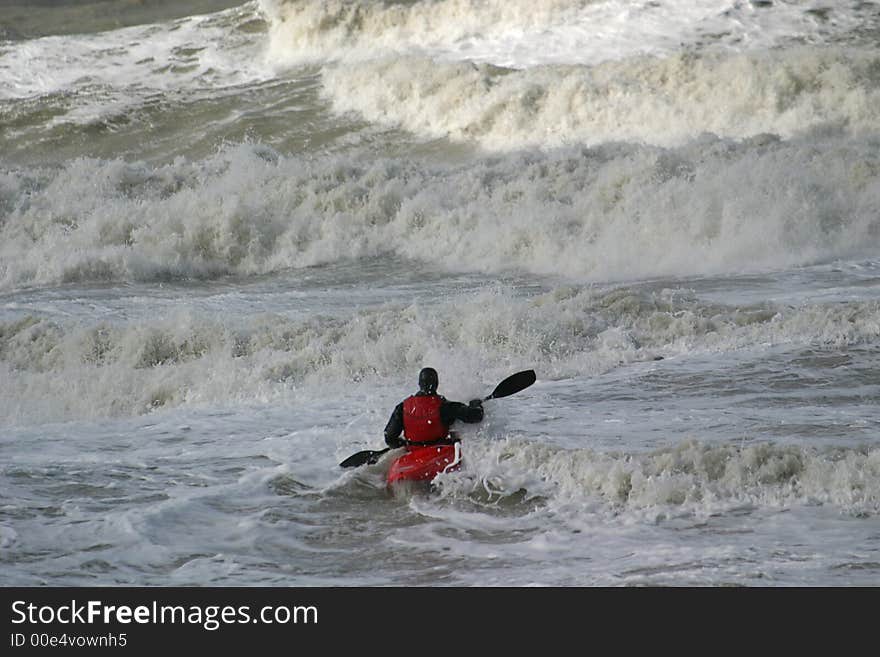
point(512, 384)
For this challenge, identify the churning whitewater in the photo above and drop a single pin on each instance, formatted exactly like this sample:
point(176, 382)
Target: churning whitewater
point(231, 234)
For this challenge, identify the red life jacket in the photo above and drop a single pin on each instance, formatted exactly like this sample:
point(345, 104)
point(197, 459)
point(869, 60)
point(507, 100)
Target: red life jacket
point(421, 419)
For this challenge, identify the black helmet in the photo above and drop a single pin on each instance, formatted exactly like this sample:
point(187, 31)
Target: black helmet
point(428, 380)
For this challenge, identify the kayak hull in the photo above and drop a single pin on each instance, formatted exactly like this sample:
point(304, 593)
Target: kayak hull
point(425, 463)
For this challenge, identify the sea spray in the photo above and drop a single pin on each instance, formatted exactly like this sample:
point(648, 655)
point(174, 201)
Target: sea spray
point(225, 257)
point(617, 211)
point(187, 358)
point(688, 478)
point(664, 101)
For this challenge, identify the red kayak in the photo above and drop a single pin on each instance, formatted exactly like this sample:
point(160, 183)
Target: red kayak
point(425, 463)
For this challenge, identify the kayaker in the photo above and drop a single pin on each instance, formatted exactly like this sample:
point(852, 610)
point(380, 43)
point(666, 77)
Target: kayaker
point(425, 417)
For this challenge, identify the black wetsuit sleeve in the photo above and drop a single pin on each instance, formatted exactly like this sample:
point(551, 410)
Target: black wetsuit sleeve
point(394, 427)
point(451, 411)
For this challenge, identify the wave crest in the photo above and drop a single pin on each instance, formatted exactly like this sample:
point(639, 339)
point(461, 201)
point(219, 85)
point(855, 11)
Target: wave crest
point(664, 101)
point(691, 478)
point(615, 212)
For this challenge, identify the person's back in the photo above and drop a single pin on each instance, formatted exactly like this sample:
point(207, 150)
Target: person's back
point(425, 417)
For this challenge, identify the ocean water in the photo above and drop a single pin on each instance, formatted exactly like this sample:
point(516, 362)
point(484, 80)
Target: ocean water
point(231, 235)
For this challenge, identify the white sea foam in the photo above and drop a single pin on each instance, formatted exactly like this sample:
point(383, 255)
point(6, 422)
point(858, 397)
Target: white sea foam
point(120, 70)
point(688, 478)
point(65, 369)
point(607, 213)
point(523, 34)
point(198, 51)
point(704, 430)
point(661, 101)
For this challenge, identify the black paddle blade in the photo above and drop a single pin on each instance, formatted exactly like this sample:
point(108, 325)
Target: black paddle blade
point(514, 383)
point(363, 458)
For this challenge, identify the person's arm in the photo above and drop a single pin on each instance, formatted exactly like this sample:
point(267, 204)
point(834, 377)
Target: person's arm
point(394, 427)
point(471, 412)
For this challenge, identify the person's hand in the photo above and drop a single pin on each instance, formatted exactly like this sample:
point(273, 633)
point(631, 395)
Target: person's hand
point(395, 442)
point(476, 403)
